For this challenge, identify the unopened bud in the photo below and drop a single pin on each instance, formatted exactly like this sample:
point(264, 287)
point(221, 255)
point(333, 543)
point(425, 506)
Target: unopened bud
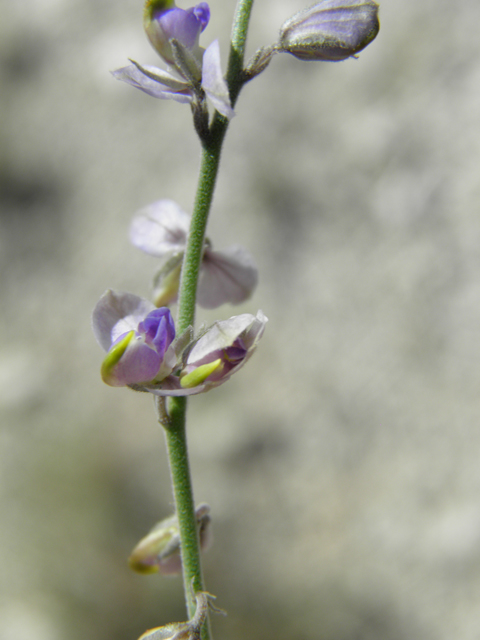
point(259, 62)
point(159, 551)
point(189, 630)
point(330, 30)
point(173, 631)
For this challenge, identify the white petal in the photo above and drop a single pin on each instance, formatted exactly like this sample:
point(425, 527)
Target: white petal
point(116, 313)
point(156, 82)
point(226, 276)
point(221, 335)
point(160, 229)
point(213, 83)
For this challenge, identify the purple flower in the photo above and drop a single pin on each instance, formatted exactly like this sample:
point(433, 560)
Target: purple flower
point(330, 30)
point(143, 353)
point(138, 338)
point(163, 22)
point(225, 276)
point(221, 351)
point(194, 72)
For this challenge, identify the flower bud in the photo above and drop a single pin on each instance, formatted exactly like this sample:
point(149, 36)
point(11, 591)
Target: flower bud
point(331, 30)
point(159, 551)
point(172, 631)
point(189, 630)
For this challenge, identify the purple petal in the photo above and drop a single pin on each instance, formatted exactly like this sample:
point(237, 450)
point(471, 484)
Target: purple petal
point(155, 82)
point(115, 314)
point(160, 229)
point(181, 25)
point(202, 13)
point(137, 365)
point(159, 330)
point(213, 83)
point(236, 353)
point(226, 276)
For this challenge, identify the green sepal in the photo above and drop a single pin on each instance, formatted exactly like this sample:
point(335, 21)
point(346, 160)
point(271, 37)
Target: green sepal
point(186, 62)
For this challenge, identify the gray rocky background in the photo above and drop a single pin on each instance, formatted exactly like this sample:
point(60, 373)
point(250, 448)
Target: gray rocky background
point(342, 464)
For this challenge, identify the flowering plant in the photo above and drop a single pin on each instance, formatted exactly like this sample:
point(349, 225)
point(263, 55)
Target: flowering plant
point(146, 349)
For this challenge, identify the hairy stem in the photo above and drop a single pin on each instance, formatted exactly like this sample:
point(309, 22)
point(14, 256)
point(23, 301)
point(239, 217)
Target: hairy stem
point(235, 78)
point(196, 237)
point(185, 507)
point(175, 426)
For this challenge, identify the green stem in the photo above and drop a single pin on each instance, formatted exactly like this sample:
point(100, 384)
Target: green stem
point(183, 494)
point(196, 237)
point(211, 151)
point(238, 41)
point(175, 426)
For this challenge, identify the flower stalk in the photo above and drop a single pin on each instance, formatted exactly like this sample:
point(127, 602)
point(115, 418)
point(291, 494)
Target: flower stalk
point(176, 438)
point(177, 406)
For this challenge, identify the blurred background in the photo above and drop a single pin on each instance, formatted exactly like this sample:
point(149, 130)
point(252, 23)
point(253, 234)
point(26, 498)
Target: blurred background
point(342, 464)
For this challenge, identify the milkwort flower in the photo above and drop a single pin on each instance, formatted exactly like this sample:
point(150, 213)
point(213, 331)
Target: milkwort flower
point(144, 354)
point(161, 230)
point(193, 71)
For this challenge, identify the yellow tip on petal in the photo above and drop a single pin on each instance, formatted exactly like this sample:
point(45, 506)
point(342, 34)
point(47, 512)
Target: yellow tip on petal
point(112, 359)
point(200, 374)
point(152, 6)
point(162, 542)
point(141, 567)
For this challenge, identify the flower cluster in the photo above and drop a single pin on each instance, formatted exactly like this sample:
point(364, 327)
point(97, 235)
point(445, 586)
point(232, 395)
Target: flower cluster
point(143, 350)
point(144, 353)
point(194, 73)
